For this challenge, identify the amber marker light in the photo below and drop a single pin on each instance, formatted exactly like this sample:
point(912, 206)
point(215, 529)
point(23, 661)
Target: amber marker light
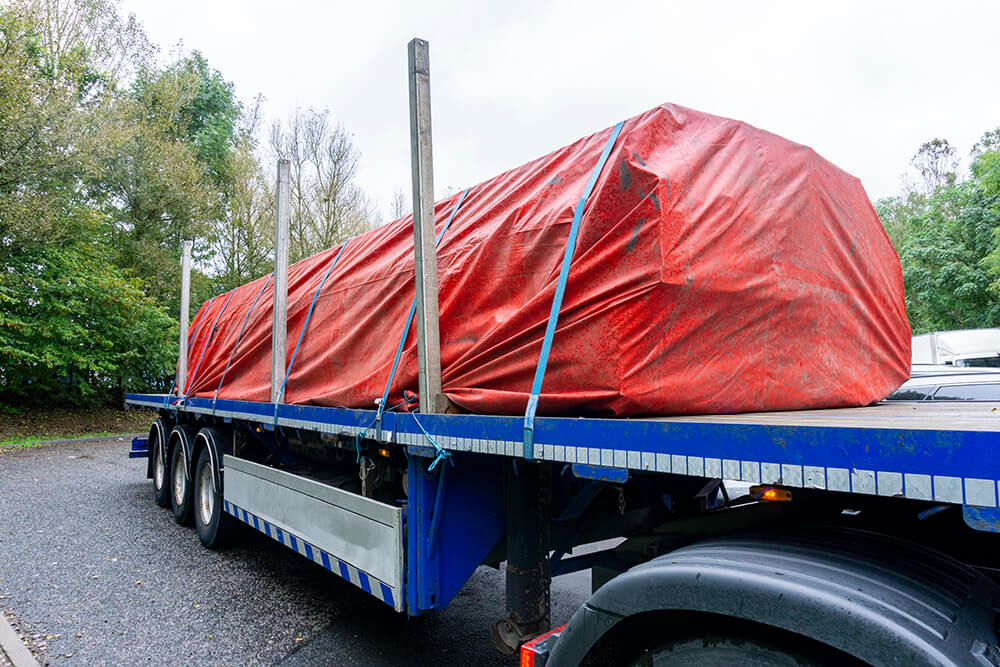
point(771, 494)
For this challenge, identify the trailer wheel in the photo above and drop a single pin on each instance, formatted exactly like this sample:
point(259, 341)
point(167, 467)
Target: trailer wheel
point(214, 526)
point(161, 487)
point(181, 496)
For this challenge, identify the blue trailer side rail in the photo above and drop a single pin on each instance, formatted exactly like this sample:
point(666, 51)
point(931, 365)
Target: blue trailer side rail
point(924, 451)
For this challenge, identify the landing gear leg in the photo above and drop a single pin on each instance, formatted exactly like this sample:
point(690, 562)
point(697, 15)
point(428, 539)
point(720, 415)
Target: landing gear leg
point(528, 574)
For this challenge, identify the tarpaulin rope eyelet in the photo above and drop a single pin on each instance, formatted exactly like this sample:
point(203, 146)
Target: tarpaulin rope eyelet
point(281, 392)
point(409, 323)
point(239, 338)
point(194, 331)
point(211, 334)
point(550, 328)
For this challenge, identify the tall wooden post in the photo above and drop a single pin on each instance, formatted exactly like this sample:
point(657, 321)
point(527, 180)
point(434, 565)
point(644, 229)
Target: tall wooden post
point(428, 337)
point(182, 357)
point(279, 328)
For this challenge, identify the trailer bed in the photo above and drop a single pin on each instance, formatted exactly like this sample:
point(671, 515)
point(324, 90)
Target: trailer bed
point(945, 452)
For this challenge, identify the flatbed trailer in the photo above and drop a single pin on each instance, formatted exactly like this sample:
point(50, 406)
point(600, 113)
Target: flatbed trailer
point(862, 535)
point(407, 508)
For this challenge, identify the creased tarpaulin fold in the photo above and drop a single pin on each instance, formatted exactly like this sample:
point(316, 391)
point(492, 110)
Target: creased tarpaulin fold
point(719, 268)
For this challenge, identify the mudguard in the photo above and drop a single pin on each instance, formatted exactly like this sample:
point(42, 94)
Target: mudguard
point(161, 429)
point(214, 439)
point(183, 436)
point(882, 600)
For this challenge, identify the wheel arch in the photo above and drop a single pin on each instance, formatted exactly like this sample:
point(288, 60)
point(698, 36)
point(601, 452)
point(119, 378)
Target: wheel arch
point(878, 599)
point(182, 435)
point(160, 429)
point(211, 438)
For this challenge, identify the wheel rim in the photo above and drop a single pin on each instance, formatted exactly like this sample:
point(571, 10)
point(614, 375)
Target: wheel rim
point(179, 481)
point(205, 486)
point(159, 467)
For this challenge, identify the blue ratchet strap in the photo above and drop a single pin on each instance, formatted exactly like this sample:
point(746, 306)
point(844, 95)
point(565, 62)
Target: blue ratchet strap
point(442, 454)
point(204, 347)
point(406, 329)
point(305, 324)
point(550, 328)
point(194, 330)
point(239, 337)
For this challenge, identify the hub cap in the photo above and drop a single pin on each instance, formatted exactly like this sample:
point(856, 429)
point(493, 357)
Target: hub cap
point(159, 467)
point(206, 493)
point(179, 482)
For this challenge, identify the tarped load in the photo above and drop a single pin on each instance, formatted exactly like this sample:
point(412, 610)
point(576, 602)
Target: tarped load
point(719, 268)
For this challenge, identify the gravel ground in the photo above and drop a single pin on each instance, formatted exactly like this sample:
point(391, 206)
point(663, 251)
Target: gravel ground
point(92, 572)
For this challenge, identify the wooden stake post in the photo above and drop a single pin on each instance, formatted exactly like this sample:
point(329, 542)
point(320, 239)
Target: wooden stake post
point(279, 328)
point(428, 337)
point(182, 360)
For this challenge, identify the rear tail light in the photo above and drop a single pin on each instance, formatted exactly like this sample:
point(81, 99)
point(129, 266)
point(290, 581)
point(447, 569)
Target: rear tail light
point(535, 653)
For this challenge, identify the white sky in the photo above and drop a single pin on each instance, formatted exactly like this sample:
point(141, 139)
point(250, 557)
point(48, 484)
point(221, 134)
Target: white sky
point(864, 83)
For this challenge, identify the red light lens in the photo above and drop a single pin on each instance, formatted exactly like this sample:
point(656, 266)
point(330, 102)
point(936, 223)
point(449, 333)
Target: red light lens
point(528, 653)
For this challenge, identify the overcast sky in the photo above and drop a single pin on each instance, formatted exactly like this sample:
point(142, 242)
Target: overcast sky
point(864, 83)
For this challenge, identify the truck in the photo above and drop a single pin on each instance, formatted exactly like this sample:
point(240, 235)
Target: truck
point(963, 347)
point(858, 535)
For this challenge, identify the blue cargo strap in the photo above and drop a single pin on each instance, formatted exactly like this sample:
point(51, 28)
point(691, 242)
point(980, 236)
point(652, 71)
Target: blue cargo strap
point(211, 334)
point(440, 453)
point(194, 331)
point(281, 392)
point(550, 328)
point(406, 329)
point(239, 337)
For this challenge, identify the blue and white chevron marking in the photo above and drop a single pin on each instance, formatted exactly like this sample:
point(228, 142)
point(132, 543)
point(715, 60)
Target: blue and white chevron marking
point(359, 578)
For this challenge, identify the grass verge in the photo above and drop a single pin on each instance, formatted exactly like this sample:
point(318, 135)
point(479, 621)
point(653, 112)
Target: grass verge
point(26, 427)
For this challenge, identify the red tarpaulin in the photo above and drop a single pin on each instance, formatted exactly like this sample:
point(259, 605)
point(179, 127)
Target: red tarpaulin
point(719, 268)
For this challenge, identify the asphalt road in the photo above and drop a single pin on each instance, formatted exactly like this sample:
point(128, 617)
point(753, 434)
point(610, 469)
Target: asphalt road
point(91, 566)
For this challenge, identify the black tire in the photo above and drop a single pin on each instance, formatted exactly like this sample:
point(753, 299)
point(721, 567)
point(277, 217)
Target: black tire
point(215, 528)
point(181, 496)
point(160, 469)
point(722, 650)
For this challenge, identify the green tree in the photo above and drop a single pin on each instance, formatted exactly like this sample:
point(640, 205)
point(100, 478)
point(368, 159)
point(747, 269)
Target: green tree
point(168, 173)
point(948, 238)
point(244, 236)
point(40, 137)
point(74, 325)
point(74, 328)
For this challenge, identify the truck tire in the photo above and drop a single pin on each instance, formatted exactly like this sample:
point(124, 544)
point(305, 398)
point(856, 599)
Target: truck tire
point(857, 595)
point(214, 526)
point(711, 650)
point(161, 475)
point(181, 496)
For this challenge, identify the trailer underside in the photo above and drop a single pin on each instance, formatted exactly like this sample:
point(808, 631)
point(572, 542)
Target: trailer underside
point(408, 506)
